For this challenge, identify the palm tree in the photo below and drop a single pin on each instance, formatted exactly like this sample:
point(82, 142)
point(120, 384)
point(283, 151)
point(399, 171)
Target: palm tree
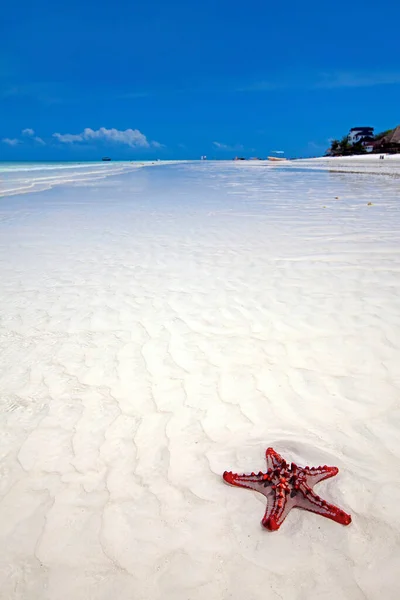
point(334, 149)
point(344, 146)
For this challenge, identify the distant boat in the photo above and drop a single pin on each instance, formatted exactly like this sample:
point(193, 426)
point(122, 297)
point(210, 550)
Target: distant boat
point(106, 158)
point(276, 158)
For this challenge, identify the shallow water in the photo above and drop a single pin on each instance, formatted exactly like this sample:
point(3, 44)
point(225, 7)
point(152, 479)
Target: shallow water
point(24, 177)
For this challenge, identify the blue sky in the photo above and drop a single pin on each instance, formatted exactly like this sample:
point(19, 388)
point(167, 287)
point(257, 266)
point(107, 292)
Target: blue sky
point(180, 79)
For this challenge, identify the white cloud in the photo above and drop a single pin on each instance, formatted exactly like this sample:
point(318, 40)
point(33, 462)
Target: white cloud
point(130, 137)
point(68, 138)
point(10, 141)
point(221, 146)
point(28, 132)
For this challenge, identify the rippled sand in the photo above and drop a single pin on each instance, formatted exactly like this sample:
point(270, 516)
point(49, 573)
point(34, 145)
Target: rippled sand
point(164, 325)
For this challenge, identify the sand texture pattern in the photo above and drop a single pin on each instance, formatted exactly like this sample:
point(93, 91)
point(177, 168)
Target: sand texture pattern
point(161, 326)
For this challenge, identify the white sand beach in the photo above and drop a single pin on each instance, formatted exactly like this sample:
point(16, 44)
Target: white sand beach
point(375, 164)
point(164, 324)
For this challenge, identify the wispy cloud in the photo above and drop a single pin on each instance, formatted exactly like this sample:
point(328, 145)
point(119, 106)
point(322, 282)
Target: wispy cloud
point(130, 137)
point(30, 133)
point(10, 141)
point(44, 93)
point(69, 138)
point(315, 145)
point(50, 93)
point(324, 80)
point(220, 146)
point(227, 147)
point(356, 80)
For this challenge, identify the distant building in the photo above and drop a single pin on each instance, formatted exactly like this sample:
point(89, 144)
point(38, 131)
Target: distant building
point(368, 144)
point(390, 142)
point(358, 134)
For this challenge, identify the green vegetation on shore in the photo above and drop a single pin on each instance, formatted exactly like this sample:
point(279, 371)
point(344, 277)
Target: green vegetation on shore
point(385, 142)
point(344, 148)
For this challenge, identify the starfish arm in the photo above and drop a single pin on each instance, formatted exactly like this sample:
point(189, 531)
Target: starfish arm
point(276, 512)
point(316, 474)
point(258, 483)
point(274, 460)
point(309, 500)
point(286, 487)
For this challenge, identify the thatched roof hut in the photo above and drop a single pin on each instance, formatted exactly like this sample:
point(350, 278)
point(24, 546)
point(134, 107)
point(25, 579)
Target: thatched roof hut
point(390, 142)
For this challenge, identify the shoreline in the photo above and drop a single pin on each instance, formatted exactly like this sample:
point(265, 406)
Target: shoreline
point(23, 179)
point(38, 178)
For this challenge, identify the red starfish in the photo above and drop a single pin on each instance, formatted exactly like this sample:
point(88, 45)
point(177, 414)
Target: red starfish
point(286, 487)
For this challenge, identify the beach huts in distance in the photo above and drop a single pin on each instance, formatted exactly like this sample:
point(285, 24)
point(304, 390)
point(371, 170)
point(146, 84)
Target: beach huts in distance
point(389, 142)
point(363, 140)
